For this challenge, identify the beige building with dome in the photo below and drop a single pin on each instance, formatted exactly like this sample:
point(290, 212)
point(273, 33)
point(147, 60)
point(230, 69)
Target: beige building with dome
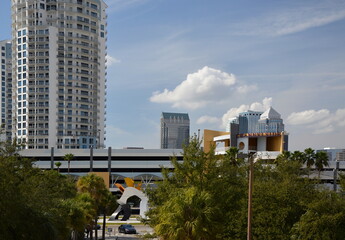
point(262, 133)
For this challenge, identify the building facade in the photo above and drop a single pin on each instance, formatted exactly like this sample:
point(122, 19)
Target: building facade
point(174, 130)
point(257, 132)
point(59, 73)
point(6, 90)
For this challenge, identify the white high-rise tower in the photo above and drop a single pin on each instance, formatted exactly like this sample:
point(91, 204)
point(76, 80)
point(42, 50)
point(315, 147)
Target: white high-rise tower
point(59, 72)
point(6, 90)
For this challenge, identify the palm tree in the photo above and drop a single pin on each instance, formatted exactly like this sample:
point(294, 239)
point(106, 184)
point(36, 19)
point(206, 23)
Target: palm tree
point(95, 186)
point(284, 156)
point(232, 154)
point(58, 165)
point(68, 157)
point(109, 206)
point(309, 157)
point(297, 156)
point(321, 161)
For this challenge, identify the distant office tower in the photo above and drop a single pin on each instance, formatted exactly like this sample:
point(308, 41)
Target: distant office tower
point(59, 51)
point(174, 130)
point(334, 154)
point(340, 156)
point(6, 89)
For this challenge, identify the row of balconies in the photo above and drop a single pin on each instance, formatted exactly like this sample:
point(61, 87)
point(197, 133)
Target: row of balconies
point(85, 113)
point(73, 91)
point(39, 61)
point(38, 97)
point(39, 119)
point(84, 72)
point(39, 90)
point(70, 56)
point(82, 79)
point(38, 105)
point(38, 126)
point(39, 133)
point(84, 128)
point(81, 65)
point(76, 85)
point(76, 50)
point(70, 42)
point(60, 6)
point(38, 46)
point(38, 39)
point(75, 53)
point(39, 83)
point(75, 107)
point(38, 54)
point(38, 111)
point(39, 68)
point(74, 120)
point(70, 99)
point(72, 19)
point(76, 134)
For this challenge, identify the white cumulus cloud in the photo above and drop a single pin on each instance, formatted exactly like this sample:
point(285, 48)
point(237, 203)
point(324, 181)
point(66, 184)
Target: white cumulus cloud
point(111, 60)
point(207, 119)
point(234, 112)
point(246, 88)
point(309, 116)
point(321, 121)
point(205, 86)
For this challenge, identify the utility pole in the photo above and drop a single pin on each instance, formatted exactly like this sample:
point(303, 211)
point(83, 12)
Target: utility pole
point(250, 195)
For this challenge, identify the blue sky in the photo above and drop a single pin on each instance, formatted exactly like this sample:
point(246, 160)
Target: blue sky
point(214, 59)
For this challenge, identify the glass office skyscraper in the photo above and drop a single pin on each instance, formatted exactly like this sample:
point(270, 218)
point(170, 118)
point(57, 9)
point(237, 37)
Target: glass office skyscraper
point(174, 130)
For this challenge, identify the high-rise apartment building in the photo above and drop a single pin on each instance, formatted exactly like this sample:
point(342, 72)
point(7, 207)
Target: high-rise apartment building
point(174, 130)
point(6, 89)
point(59, 72)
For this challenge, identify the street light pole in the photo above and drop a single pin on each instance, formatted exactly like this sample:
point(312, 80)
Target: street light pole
point(250, 196)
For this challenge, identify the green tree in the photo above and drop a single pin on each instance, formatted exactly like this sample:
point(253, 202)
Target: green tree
point(199, 198)
point(280, 196)
point(108, 206)
point(35, 204)
point(321, 161)
point(309, 157)
point(232, 155)
point(68, 157)
point(80, 212)
point(95, 187)
point(297, 156)
point(58, 165)
point(342, 183)
point(324, 219)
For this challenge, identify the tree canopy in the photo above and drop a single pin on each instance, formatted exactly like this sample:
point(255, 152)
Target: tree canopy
point(205, 197)
point(40, 204)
